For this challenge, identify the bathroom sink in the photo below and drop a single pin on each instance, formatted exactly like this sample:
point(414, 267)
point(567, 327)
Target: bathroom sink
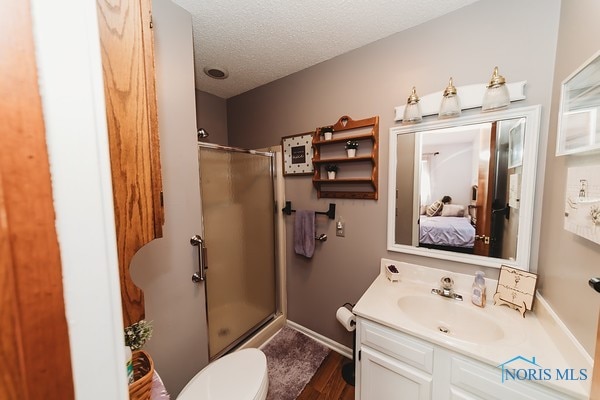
point(451, 318)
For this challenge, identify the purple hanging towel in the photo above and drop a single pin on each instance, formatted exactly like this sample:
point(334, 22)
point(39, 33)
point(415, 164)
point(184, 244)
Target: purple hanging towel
point(304, 233)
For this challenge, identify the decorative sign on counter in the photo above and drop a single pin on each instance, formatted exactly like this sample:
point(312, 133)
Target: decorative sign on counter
point(515, 289)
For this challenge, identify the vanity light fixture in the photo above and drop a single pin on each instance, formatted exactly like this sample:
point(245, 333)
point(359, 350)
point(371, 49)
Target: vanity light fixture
point(450, 106)
point(412, 111)
point(496, 96)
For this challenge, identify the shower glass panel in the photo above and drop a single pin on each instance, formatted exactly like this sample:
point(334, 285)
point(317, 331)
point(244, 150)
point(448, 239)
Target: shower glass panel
point(238, 208)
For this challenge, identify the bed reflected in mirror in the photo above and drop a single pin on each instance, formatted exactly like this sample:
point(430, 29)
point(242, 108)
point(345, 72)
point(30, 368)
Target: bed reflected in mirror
point(459, 190)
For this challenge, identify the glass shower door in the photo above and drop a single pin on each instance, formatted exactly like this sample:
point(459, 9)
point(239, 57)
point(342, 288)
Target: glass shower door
point(238, 204)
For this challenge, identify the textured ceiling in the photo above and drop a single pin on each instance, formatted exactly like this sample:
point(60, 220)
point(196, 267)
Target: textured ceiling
point(259, 41)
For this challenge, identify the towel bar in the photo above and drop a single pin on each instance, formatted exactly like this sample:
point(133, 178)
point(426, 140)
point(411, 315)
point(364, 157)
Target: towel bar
point(287, 210)
point(321, 238)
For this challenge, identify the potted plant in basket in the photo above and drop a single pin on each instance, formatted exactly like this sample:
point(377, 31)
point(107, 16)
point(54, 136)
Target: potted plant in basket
point(327, 132)
point(136, 335)
point(140, 367)
point(351, 146)
point(331, 169)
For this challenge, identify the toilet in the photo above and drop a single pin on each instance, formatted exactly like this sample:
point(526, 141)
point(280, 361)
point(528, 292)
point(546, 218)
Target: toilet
point(237, 376)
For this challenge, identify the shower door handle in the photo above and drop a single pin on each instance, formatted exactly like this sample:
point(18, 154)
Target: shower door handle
point(199, 276)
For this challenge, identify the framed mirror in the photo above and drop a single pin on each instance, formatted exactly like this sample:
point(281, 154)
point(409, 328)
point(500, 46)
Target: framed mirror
point(463, 189)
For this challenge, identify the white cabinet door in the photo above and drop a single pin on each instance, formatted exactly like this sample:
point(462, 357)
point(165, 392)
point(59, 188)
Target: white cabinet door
point(383, 378)
point(483, 381)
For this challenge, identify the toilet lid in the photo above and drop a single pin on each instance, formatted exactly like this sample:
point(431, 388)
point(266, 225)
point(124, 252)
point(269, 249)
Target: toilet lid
point(238, 375)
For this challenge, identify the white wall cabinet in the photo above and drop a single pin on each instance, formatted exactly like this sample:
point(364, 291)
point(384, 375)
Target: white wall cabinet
point(395, 365)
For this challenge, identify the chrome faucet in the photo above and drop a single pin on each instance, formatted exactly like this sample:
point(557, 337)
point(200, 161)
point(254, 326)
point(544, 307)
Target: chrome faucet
point(447, 289)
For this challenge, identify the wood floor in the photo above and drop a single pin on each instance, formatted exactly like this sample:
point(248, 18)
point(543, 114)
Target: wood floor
point(327, 383)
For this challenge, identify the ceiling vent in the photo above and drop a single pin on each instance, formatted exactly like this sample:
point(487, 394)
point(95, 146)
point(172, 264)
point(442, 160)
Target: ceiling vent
point(216, 73)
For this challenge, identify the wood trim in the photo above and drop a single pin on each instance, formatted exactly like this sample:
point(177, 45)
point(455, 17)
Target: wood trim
point(127, 64)
point(150, 80)
point(12, 368)
point(34, 341)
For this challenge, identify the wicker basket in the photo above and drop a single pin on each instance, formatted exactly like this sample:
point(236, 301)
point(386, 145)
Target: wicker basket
point(143, 370)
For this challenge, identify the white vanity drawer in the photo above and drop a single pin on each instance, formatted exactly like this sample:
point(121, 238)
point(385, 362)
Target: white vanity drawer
point(409, 350)
point(484, 382)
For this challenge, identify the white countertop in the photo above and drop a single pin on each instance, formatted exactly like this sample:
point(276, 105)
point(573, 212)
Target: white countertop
point(526, 337)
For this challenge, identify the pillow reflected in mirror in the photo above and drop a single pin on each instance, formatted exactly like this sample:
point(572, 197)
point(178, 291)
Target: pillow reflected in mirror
point(434, 209)
point(453, 210)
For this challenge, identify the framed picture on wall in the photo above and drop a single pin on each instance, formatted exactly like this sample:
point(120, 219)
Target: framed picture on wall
point(297, 154)
point(578, 127)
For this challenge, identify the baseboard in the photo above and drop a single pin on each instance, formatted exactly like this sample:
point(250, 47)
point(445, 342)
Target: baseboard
point(332, 344)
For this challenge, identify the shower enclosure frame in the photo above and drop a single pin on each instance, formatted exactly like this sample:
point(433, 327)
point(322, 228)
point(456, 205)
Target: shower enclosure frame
point(276, 256)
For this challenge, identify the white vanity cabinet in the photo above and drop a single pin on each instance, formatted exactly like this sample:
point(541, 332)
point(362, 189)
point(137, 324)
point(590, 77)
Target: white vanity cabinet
point(383, 377)
point(395, 365)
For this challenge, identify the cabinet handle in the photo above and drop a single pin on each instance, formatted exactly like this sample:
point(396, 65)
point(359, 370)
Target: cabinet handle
point(199, 276)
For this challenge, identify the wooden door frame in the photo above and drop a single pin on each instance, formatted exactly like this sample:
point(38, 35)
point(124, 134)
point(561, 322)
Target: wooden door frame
point(485, 185)
point(37, 345)
point(68, 62)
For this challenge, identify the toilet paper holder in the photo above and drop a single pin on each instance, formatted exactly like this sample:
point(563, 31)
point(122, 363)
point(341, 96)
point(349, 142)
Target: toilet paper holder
point(348, 369)
point(343, 317)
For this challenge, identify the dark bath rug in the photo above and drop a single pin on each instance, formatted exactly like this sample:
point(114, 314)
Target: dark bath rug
point(292, 359)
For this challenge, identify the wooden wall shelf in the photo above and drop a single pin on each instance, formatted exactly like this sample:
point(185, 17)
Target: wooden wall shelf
point(343, 160)
point(360, 181)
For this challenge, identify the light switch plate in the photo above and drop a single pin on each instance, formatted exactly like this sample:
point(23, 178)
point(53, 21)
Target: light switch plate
point(340, 229)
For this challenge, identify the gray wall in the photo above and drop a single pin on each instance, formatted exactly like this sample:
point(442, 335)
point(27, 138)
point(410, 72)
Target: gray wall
point(211, 114)
point(163, 267)
point(566, 260)
point(520, 37)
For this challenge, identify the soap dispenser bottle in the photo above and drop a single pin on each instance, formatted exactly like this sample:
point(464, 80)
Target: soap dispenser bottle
point(478, 290)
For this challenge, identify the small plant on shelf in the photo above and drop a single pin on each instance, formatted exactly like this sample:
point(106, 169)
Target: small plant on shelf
point(327, 132)
point(331, 168)
point(351, 144)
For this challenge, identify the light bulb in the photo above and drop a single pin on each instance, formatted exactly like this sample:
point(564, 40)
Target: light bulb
point(412, 111)
point(496, 96)
point(450, 106)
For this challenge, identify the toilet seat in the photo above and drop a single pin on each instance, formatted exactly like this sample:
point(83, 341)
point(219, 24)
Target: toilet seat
point(241, 376)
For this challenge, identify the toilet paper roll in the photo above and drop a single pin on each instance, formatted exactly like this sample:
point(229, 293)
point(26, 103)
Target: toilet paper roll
point(346, 318)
